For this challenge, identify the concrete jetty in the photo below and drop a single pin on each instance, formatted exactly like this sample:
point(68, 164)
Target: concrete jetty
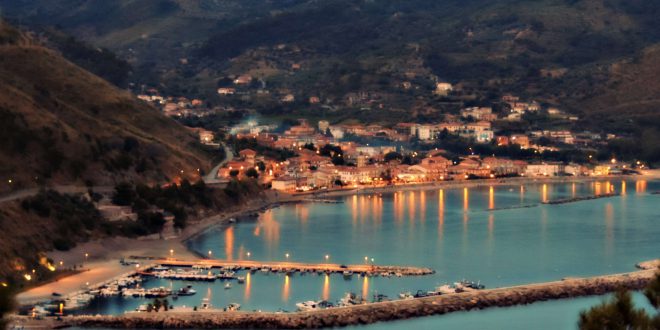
point(376, 312)
point(285, 266)
point(579, 199)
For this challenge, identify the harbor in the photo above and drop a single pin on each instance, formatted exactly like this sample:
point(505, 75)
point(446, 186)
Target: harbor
point(375, 312)
point(314, 258)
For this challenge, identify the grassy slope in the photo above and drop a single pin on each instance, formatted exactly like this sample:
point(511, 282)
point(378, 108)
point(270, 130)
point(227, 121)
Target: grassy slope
point(68, 124)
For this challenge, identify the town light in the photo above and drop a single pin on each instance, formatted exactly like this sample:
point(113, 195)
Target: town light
point(287, 256)
point(61, 263)
point(248, 254)
point(28, 277)
point(327, 257)
point(171, 252)
point(210, 252)
point(613, 160)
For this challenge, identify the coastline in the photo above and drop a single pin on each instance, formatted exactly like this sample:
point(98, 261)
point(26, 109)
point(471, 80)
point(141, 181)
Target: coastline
point(106, 253)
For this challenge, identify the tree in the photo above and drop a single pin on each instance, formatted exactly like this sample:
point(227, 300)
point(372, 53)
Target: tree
point(124, 194)
point(252, 173)
point(6, 304)
point(620, 312)
point(157, 304)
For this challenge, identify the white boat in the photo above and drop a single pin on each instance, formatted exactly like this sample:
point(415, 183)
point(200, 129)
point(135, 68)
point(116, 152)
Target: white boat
point(348, 273)
point(227, 286)
point(445, 289)
point(232, 307)
point(349, 299)
point(308, 306)
point(141, 308)
point(160, 268)
point(241, 279)
point(406, 295)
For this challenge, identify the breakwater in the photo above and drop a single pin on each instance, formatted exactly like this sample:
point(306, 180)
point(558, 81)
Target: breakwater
point(579, 199)
point(375, 312)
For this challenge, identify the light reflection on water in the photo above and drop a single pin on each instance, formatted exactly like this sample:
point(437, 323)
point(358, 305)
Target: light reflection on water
point(469, 238)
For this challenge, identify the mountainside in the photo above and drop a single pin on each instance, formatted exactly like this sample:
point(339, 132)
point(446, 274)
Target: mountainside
point(63, 125)
point(554, 51)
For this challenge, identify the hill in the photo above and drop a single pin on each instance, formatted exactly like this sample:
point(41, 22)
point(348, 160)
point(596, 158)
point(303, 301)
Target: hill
point(554, 51)
point(64, 125)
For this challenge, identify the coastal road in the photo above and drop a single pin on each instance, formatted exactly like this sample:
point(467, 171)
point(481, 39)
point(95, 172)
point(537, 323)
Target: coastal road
point(212, 176)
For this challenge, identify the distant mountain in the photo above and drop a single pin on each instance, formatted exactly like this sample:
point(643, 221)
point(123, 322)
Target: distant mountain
point(63, 125)
point(555, 51)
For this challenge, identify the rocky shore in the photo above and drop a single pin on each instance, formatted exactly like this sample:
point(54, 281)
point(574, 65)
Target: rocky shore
point(376, 312)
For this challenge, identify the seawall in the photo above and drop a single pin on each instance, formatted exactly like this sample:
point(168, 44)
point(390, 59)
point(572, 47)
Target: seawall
point(375, 312)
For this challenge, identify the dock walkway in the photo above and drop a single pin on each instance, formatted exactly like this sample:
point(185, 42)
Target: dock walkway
point(285, 266)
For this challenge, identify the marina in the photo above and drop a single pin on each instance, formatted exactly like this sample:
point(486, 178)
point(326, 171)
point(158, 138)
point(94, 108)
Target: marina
point(318, 315)
point(456, 239)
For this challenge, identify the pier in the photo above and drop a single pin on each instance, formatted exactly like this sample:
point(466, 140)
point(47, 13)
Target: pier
point(579, 199)
point(285, 266)
point(375, 312)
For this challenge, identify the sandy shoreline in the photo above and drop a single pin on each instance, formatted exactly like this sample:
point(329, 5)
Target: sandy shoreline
point(105, 253)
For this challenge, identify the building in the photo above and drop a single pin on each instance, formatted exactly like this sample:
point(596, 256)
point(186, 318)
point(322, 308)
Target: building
point(545, 169)
point(285, 183)
point(226, 91)
point(243, 80)
point(479, 113)
point(324, 125)
point(206, 137)
point(521, 140)
point(337, 132)
point(443, 88)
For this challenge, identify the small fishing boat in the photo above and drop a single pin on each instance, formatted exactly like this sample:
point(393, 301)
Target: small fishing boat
point(232, 307)
point(186, 291)
point(406, 295)
point(308, 306)
point(227, 286)
point(241, 279)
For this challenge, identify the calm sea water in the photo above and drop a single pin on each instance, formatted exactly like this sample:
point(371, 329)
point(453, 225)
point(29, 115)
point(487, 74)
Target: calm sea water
point(498, 235)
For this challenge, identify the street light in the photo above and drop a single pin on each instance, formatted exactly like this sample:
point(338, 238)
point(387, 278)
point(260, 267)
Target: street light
point(248, 254)
point(171, 252)
point(210, 253)
point(327, 256)
point(287, 256)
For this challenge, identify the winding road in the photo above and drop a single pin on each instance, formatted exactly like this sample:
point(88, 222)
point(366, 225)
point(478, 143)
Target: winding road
point(212, 176)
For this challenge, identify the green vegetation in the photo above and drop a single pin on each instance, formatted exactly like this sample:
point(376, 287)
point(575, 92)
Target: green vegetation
point(76, 217)
point(6, 304)
point(66, 125)
point(251, 143)
point(620, 312)
point(100, 61)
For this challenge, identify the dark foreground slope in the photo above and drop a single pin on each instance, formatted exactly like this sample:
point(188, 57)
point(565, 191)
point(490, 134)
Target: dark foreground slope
point(63, 125)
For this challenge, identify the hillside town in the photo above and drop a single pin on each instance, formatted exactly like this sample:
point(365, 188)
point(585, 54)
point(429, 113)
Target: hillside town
point(325, 155)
